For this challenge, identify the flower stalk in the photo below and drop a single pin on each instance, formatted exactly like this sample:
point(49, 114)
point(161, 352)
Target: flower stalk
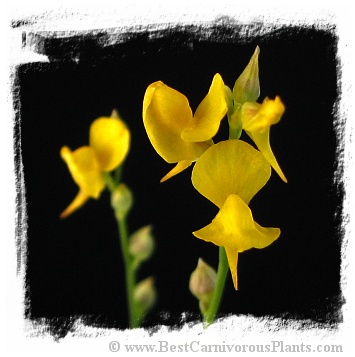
point(210, 315)
point(130, 273)
point(122, 202)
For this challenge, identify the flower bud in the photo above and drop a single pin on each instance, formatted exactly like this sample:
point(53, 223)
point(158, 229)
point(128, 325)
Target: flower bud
point(145, 294)
point(122, 200)
point(141, 244)
point(115, 114)
point(202, 283)
point(247, 86)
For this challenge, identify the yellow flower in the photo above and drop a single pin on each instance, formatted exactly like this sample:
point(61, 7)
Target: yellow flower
point(109, 142)
point(229, 174)
point(254, 118)
point(176, 134)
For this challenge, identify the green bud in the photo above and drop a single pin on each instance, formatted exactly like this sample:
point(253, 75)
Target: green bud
point(145, 294)
point(122, 200)
point(247, 86)
point(202, 283)
point(141, 244)
point(114, 114)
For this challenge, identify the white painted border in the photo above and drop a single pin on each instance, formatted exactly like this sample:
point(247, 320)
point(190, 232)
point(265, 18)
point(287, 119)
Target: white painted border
point(78, 16)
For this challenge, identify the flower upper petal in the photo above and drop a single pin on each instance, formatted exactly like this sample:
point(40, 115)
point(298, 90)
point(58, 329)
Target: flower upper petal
point(149, 94)
point(85, 170)
point(110, 140)
point(209, 113)
point(166, 114)
point(230, 167)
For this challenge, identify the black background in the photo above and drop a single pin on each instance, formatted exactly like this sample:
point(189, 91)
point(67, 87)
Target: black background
point(74, 266)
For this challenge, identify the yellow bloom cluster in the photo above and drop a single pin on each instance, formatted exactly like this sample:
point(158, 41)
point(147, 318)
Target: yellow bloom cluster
point(180, 137)
point(109, 143)
point(230, 172)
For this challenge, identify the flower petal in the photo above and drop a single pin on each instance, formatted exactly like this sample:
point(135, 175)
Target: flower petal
point(79, 200)
point(262, 141)
point(234, 228)
point(110, 140)
point(259, 117)
point(85, 170)
point(247, 86)
point(166, 114)
point(209, 113)
point(180, 166)
point(149, 94)
point(230, 167)
point(232, 257)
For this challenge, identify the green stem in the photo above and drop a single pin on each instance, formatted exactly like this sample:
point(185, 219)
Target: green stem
point(130, 272)
point(235, 133)
point(118, 173)
point(222, 271)
point(110, 182)
point(235, 123)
